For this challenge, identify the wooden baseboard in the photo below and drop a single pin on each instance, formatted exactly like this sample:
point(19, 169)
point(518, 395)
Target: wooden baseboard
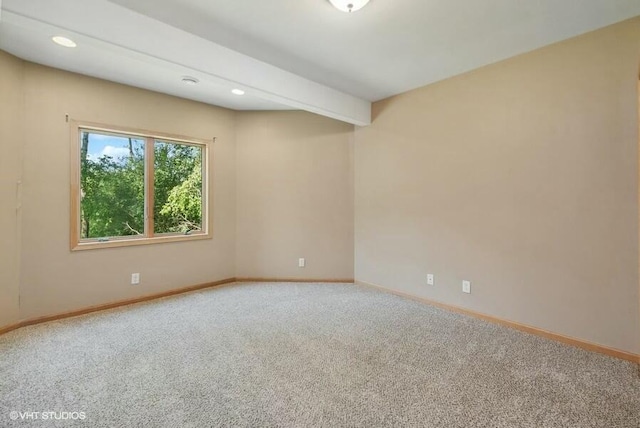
point(112, 305)
point(522, 327)
point(10, 327)
point(616, 353)
point(117, 304)
point(337, 281)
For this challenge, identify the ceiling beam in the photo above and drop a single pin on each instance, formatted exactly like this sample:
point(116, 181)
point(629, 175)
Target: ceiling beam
point(114, 27)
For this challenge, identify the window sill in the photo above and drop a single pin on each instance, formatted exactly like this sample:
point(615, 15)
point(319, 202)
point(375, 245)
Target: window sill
point(131, 242)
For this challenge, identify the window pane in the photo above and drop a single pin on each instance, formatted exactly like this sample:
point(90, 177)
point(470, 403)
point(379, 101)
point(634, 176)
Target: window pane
point(111, 185)
point(178, 188)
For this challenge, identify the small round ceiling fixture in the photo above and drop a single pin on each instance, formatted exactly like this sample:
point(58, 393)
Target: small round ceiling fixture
point(63, 41)
point(349, 5)
point(237, 91)
point(188, 80)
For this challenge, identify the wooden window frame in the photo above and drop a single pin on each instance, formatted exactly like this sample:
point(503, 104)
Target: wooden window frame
point(149, 236)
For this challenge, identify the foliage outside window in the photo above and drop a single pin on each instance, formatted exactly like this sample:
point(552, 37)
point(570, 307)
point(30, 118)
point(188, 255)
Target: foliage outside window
point(133, 188)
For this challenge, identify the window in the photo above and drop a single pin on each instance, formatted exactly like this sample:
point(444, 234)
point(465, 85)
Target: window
point(135, 187)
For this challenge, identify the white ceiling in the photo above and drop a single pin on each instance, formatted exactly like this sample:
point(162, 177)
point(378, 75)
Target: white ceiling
point(390, 46)
point(33, 44)
point(293, 53)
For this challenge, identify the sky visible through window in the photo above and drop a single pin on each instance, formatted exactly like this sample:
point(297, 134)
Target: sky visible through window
point(109, 145)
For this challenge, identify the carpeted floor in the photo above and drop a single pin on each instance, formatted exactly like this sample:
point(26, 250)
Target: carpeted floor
point(305, 355)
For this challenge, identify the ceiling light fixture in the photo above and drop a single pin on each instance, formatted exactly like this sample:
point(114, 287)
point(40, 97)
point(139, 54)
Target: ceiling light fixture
point(63, 41)
point(188, 80)
point(237, 91)
point(349, 5)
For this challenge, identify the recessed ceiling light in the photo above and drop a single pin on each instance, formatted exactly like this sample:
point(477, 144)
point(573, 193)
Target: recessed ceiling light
point(63, 41)
point(237, 91)
point(188, 80)
point(349, 5)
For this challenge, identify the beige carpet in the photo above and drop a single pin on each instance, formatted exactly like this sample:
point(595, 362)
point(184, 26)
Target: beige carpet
point(304, 355)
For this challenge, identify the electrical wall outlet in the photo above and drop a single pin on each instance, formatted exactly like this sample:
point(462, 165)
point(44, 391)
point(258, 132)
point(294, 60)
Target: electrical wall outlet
point(301, 262)
point(430, 279)
point(466, 286)
point(135, 278)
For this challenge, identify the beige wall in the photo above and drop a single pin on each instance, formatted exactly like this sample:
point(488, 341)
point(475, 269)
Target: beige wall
point(521, 177)
point(11, 126)
point(56, 280)
point(294, 196)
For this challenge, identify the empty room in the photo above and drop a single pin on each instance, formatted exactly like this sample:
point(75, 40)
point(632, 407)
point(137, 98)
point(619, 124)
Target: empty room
point(320, 213)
